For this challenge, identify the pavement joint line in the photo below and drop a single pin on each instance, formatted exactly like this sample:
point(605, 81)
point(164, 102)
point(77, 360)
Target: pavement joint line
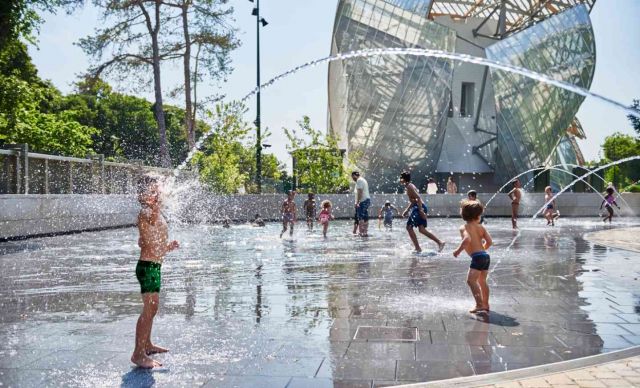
point(530, 372)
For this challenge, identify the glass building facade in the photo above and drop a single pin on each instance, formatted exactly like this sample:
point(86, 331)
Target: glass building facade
point(391, 112)
point(390, 109)
point(533, 117)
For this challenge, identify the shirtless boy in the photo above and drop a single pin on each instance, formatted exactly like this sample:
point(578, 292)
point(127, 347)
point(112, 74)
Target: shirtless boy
point(417, 212)
point(515, 195)
point(475, 241)
point(288, 211)
point(310, 210)
point(154, 245)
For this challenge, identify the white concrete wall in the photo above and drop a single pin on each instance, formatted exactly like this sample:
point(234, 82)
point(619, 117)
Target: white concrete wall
point(213, 208)
point(31, 215)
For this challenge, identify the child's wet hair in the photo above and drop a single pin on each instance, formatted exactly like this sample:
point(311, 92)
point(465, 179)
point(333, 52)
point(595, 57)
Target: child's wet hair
point(610, 190)
point(145, 182)
point(405, 176)
point(472, 193)
point(325, 204)
point(471, 210)
point(547, 188)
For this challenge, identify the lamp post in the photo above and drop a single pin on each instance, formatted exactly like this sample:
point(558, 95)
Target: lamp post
point(259, 21)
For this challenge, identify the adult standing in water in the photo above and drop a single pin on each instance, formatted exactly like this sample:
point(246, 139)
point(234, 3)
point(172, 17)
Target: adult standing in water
point(432, 186)
point(363, 201)
point(515, 194)
point(451, 186)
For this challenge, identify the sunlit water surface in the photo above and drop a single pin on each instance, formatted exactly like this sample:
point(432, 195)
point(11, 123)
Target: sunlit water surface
point(241, 305)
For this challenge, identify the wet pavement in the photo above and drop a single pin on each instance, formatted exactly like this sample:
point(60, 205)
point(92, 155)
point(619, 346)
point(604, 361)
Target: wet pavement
point(242, 308)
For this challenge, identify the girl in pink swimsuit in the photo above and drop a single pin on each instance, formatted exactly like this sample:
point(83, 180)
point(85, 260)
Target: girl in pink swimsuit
point(608, 202)
point(325, 216)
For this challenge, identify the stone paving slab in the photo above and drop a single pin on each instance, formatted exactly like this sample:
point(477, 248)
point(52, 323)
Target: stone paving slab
point(621, 238)
point(607, 370)
point(242, 308)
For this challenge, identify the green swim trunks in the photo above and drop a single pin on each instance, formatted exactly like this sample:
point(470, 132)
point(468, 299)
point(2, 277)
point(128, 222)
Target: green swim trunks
point(149, 277)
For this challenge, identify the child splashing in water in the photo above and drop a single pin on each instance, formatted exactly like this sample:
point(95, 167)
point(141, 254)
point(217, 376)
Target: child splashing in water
point(608, 202)
point(154, 244)
point(325, 216)
point(417, 213)
point(288, 211)
point(550, 213)
point(475, 241)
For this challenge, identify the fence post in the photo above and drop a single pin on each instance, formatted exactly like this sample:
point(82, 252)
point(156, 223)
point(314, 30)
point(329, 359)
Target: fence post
point(46, 176)
point(101, 167)
point(22, 169)
point(70, 177)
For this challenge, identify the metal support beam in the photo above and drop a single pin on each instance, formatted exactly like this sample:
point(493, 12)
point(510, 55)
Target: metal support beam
point(475, 30)
point(484, 83)
point(502, 20)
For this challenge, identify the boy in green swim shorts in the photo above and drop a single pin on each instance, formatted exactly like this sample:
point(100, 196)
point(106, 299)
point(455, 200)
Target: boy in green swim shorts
point(154, 244)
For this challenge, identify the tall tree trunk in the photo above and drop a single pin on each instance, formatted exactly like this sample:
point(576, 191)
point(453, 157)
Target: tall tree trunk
point(188, 112)
point(165, 158)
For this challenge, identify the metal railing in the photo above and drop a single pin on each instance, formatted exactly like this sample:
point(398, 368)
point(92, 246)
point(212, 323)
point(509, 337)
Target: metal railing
point(24, 172)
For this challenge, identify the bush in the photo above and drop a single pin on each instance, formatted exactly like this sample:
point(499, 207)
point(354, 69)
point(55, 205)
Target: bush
point(632, 189)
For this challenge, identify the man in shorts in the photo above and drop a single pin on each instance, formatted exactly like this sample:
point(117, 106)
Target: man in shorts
point(363, 201)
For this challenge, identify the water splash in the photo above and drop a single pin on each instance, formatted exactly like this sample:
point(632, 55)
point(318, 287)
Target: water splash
point(419, 52)
point(630, 158)
point(570, 173)
point(509, 181)
point(555, 167)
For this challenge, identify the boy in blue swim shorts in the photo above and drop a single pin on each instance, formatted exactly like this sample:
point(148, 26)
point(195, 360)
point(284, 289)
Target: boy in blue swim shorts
point(417, 212)
point(475, 241)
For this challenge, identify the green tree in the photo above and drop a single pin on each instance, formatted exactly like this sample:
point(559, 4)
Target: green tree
point(227, 160)
point(619, 146)
point(20, 19)
point(133, 41)
point(30, 109)
point(319, 162)
point(635, 122)
point(219, 160)
point(204, 26)
point(126, 124)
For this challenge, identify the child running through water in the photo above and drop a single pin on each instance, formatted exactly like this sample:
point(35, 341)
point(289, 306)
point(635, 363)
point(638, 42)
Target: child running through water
point(288, 211)
point(154, 244)
point(550, 213)
point(387, 211)
point(310, 210)
point(325, 216)
point(608, 202)
point(472, 195)
point(417, 212)
point(475, 241)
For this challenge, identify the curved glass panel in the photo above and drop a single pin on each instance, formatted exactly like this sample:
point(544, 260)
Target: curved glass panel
point(389, 111)
point(533, 117)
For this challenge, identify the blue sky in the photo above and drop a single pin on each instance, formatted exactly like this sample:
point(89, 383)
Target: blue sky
point(300, 31)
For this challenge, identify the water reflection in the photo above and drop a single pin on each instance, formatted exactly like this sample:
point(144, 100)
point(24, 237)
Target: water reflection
point(554, 296)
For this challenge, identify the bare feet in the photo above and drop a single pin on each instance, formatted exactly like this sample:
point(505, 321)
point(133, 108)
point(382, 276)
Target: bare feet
point(153, 349)
point(145, 362)
point(441, 246)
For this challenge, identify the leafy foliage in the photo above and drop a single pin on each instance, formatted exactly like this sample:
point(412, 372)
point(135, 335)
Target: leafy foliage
point(619, 146)
point(319, 165)
point(635, 122)
point(29, 109)
point(227, 160)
